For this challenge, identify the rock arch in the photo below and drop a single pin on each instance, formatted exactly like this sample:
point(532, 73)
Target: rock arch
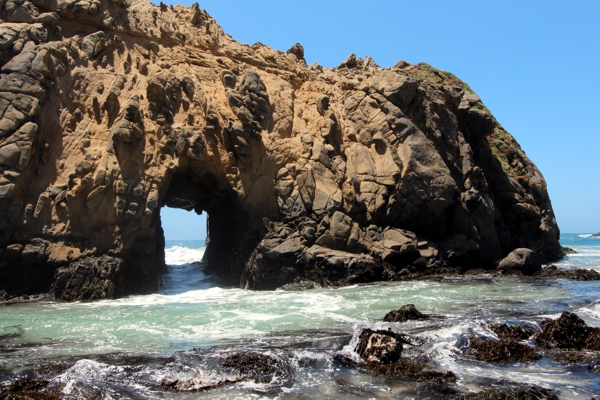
point(110, 110)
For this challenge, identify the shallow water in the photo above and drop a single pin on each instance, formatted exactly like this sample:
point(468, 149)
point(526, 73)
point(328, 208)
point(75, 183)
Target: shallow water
point(178, 332)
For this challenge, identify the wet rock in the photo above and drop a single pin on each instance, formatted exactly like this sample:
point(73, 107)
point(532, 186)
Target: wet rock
point(407, 312)
point(576, 274)
point(26, 388)
point(91, 278)
point(568, 332)
point(513, 393)
point(505, 331)
point(380, 346)
point(568, 250)
point(414, 368)
point(524, 260)
point(381, 354)
point(300, 286)
point(196, 385)
point(260, 368)
point(267, 370)
point(571, 357)
point(501, 351)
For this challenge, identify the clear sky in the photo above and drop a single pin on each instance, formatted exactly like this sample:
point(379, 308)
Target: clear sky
point(535, 65)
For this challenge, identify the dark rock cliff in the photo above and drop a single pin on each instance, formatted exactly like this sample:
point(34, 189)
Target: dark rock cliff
point(110, 110)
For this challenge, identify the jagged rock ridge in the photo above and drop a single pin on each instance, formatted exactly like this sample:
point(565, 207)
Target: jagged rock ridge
point(110, 110)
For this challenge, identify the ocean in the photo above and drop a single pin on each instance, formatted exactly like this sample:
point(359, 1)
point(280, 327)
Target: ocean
point(129, 348)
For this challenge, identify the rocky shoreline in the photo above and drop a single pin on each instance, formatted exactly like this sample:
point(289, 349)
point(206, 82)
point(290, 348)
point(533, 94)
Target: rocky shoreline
point(415, 272)
point(389, 353)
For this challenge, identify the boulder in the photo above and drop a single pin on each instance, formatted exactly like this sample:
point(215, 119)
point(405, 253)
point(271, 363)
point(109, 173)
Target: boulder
point(524, 260)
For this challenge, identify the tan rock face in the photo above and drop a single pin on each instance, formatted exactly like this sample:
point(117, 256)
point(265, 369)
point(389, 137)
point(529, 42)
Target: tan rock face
point(110, 110)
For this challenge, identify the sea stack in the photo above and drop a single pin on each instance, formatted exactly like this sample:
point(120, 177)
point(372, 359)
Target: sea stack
point(110, 110)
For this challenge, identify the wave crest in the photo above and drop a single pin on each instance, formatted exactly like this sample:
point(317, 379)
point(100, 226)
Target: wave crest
point(178, 255)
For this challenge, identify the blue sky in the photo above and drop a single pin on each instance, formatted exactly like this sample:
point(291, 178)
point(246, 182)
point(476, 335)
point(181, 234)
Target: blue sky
point(535, 64)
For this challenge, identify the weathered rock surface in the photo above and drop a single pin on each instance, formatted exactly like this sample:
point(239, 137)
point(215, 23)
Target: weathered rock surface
point(110, 110)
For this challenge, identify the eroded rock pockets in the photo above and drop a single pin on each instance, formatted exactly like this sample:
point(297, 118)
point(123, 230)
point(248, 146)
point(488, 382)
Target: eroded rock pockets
point(346, 175)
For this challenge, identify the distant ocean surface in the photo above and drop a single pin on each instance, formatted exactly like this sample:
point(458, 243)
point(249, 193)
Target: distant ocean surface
point(196, 317)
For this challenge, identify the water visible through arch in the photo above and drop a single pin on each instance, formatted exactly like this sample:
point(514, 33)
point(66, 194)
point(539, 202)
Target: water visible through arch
point(185, 234)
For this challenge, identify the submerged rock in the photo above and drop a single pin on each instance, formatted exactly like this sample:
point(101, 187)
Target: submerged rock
point(512, 393)
point(196, 385)
point(269, 370)
point(405, 313)
point(260, 367)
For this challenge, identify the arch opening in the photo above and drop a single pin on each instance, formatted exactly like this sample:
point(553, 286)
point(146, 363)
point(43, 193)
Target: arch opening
point(229, 238)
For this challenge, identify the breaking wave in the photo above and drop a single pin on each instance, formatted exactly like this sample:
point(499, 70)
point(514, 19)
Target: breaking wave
point(179, 255)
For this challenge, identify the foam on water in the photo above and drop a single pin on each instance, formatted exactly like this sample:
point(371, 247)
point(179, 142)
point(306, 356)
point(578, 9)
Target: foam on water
point(178, 255)
point(194, 310)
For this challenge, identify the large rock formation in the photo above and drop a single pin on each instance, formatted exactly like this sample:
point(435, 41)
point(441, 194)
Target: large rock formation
point(110, 110)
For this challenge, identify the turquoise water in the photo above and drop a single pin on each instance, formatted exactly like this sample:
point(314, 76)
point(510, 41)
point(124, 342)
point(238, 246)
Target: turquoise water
point(195, 311)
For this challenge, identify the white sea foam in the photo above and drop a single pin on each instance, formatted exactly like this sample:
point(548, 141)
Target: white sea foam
point(178, 255)
point(592, 313)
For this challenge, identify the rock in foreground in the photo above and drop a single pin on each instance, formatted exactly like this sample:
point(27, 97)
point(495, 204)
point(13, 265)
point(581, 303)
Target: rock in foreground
point(110, 110)
point(568, 332)
point(380, 353)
